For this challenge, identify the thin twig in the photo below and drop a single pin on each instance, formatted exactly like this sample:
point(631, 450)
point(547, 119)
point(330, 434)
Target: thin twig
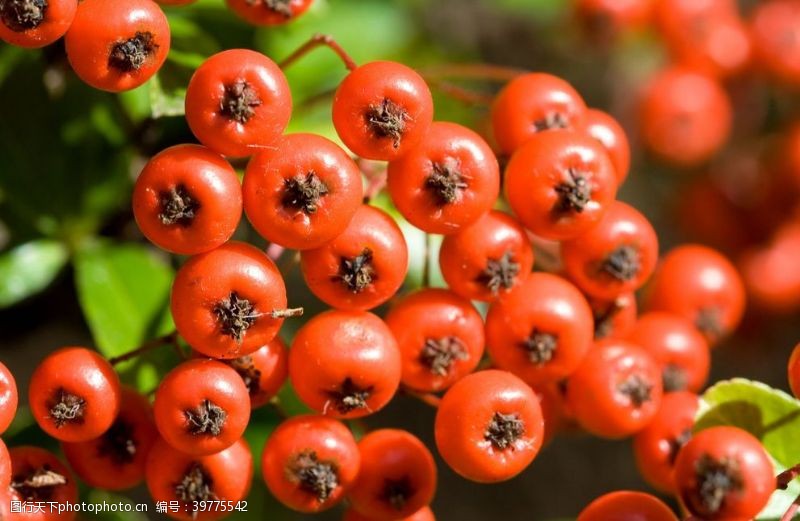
point(786, 477)
point(461, 94)
point(170, 338)
point(792, 510)
point(472, 71)
point(316, 41)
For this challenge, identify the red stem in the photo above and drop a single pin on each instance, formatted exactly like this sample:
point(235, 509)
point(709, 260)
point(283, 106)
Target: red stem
point(792, 510)
point(787, 476)
point(316, 41)
point(472, 71)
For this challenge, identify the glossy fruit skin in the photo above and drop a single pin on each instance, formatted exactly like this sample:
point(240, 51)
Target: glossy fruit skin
point(9, 397)
point(627, 505)
point(423, 514)
point(533, 102)
point(370, 231)
point(25, 460)
point(372, 85)
point(207, 179)
point(82, 373)
point(595, 392)
point(773, 27)
point(545, 164)
point(393, 455)
point(258, 13)
point(589, 258)
point(614, 319)
point(794, 371)
point(755, 471)
point(768, 271)
point(89, 44)
point(93, 460)
point(336, 347)
point(330, 440)
point(702, 285)
point(56, 20)
point(447, 150)
point(607, 130)
point(434, 315)
point(206, 93)
point(466, 411)
point(673, 341)
point(266, 369)
point(186, 388)
point(291, 225)
point(464, 257)
point(5, 466)
point(208, 279)
point(229, 471)
point(656, 446)
point(543, 305)
point(685, 117)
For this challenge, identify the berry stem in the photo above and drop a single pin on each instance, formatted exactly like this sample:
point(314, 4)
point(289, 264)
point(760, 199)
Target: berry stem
point(426, 265)
point(316, 41)
point(168, 339)
point(792, 510)
point(466, 96)
point(472, 71)
point(787, 476)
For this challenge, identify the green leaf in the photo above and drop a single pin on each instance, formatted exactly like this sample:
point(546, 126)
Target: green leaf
point(165, 102)
point(29, 268)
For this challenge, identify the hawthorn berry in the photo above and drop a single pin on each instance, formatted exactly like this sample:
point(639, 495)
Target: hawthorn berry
point(201, 407)
point(345, 364)
point(605, 129)
point(532, 103)
point(541, 330)
point(724, 473)
point(116, 459)
point(382, 110)
point(423, 514)
point(701, 285)
point(656, 447)
point(616, 391)
point(263, 371)
point(223, 476)
point(447, 182)
point(489, 426)
point(230, 301)
point(627, 505)
point(773, 28)
point(605, 18)
point(397, 476)
point(614, 318)
point(37, 475)
point(302, 192)
point(614, 257)
point(362, 267)
point(794, 371)
point(769, 274)
point(5, 467)
point(487, 259)
point(74, 394)
point(440, 336)
point(9, 398)
point(117, 45)
point(560, 183)
point(187, 200)
point(35, 23)
point(269, 12)
point(310, 462)
point(238, 102)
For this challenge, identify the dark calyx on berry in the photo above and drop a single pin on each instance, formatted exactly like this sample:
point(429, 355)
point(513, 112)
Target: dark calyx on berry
point(177, 207)
point(637, 389)
point(387, 120)
point(356, 273)
point(715, 480)
point(551, 121)
point(239, 102)
point(540, 346)
point(674, 378)
point(251, 375)
point(709, 322)
point(573, 194)
point(676, 444)
point(282, 7)
point(504, 429)
point(397, 492)
point(303, 192)
point(235, 316)
point(131, 54)
point(445, 181)
point(499, 273)
point(66, 407)
point(22, 15)
point(604, 319)
point(316, 477)
point(349, 397)
point(623, 264)
point(37, 484)
point(117, 443)
point(439, 354)
point(206, 418)
point(196, 485)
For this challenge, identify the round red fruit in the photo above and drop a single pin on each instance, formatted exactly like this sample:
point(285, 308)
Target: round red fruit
point(615, 318)
point(627, 505)
point(39, 477)
point(35, 23)
point(9, 398)
point(263, 371)
point(269, 12)
point(605, 129)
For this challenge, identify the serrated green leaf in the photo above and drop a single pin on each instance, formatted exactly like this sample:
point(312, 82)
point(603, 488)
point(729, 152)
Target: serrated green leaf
point(29, 268)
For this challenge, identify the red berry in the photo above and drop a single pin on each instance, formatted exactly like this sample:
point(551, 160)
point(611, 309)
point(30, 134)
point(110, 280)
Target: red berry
point(5, 468)
point(309, 463)
point(32, 23)
point(773, 28)
point(794, 371)
point(263, 371)
point(615, 318)
point(39, 477)
point(626, 505)
point(610, 17)
point(117, 46)
point(238, 102)
point(8, 398)
point(302, 192)
point(269, 12)
point(187, 200)
point(382, 110)
point(605, 129)
point(74, 394)
point(489, 426)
